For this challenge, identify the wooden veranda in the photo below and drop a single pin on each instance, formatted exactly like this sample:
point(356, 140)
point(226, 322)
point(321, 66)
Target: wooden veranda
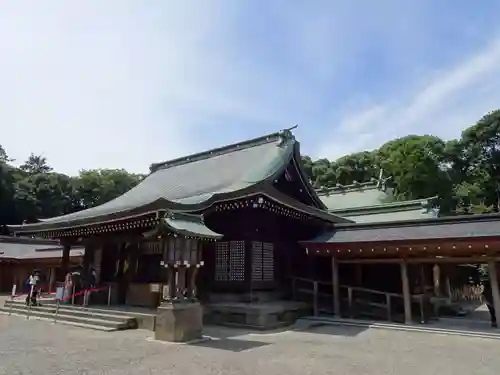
point(435, 254)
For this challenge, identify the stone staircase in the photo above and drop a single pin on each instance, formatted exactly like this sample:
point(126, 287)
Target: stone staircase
point(96, 319)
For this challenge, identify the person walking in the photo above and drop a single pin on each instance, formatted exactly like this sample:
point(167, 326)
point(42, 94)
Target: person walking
point(488, 297)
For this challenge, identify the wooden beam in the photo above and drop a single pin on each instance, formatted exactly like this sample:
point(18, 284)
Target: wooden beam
point(449, 260)
point(494, 288)
point(406, 293)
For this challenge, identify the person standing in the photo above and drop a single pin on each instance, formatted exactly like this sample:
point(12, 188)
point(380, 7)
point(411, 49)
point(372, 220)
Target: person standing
point(34, 280)
point(488, 297)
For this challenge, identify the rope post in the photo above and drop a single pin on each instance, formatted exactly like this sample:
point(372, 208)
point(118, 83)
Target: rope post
point(109, 295)
point(57, 311)
point(84, 299)
point(315, 300)
point(73, 295)
point(30, 296)
point(12, 295)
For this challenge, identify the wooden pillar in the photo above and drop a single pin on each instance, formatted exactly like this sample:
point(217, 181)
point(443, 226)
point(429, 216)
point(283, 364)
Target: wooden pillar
point(406, 292)
point(335, 287)
point(52, 278)
point(436, 275)
point(171, 292)
point(494, 288)
point(87, 259)
point(359, 274)
point(65, 260)
point(192, 292)
point(97, 263)
point(181, 282)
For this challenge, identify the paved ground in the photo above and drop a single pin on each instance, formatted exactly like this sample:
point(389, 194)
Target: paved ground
point(38, 347)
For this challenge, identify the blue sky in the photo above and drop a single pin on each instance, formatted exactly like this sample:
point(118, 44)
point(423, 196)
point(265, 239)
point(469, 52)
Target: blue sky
point(122, 84)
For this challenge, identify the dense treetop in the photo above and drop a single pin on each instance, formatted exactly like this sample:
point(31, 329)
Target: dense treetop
point(464, 173)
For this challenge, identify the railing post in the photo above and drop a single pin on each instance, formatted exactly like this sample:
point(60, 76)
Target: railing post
point(315, 307)
point(30, 296)
point(422, 313)
point(84, 299)
point(109, 295)
point(12, 295)
point(389, 307)
point(349, 299)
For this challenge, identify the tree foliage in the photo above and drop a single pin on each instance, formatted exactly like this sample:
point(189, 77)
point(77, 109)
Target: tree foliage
point(35, 191)
point(464, 173)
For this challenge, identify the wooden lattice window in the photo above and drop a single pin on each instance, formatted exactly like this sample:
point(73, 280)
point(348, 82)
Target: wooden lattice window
point(230, 261)
point(221, 261)
point(262, 261)
point(237, 261)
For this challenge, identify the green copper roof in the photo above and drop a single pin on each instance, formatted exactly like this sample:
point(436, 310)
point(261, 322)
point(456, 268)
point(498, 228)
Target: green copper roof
point(456, 227)
point(413, 214)
point(194, 182)
point(364, 194)
point(190, 225)
point(417, 209)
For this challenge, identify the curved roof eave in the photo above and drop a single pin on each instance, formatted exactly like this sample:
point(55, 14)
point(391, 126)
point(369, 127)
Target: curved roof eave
point(157, 205)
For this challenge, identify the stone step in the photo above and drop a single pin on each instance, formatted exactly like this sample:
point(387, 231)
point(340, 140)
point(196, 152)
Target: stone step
point(107, 311)
point(73, 324)
point(79, 317)
point(76, 310)
point(141, 320)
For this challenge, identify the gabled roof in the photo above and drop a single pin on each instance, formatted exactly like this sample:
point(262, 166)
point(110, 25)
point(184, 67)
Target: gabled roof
point(455, 227)
point(417, 209)
point(195, 182)
point(370, 202)
point(359, 194)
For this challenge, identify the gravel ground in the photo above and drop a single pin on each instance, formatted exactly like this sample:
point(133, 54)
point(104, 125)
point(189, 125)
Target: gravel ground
point(40, 347)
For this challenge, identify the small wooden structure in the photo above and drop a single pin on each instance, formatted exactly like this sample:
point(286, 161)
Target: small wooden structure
point(422, 253)
point(21, 255)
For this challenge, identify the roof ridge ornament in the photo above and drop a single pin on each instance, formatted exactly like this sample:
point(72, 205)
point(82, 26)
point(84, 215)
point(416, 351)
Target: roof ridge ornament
point(287, 135)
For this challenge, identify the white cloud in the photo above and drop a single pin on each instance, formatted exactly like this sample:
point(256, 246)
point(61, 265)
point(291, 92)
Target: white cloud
point(121, 83)
point(442, 105)
point(88, 84)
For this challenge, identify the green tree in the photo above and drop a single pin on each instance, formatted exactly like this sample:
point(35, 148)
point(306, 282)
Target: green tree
point(480, 160)
point(417, 165)
point(95, 187)
point(4, 158)
point(360, 167)
point(36, 164)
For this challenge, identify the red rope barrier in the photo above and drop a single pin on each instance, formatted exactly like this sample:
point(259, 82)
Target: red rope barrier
point(83, 292)
point(66, 298)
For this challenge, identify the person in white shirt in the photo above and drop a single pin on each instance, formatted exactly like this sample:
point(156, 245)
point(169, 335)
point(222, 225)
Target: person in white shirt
point(33, 281)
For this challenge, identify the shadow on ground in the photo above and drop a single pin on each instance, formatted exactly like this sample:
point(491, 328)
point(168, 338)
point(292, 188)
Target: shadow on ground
point(220, 332)
point(231, 345)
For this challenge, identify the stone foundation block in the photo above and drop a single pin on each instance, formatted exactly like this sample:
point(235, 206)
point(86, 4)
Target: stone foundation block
point(179, 322)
